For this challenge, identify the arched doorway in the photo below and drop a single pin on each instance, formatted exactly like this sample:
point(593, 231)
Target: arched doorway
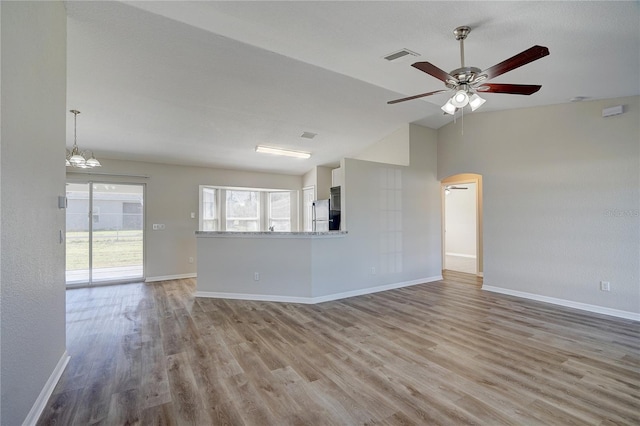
point(462, 223)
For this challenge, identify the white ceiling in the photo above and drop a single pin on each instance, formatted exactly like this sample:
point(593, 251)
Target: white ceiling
point(204, 82)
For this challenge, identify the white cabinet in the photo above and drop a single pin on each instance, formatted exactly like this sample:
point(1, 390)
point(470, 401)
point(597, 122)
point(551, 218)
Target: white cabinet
point(337, 177)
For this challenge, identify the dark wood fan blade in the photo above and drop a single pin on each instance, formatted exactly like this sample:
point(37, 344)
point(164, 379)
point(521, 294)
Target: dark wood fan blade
point(512, 89)
point(532, 54)
point(422, 95)
point(432, 70)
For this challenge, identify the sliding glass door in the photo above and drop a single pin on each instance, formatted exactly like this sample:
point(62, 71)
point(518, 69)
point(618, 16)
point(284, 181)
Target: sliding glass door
point(105, 233)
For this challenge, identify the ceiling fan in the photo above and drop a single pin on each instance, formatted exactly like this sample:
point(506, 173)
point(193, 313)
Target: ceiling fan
point(448, 188)
point(467, 81)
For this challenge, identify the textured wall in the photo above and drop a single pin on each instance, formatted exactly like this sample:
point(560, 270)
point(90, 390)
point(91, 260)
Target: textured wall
point(561, 198)
point(33, 175)
point(393, 217)
point(393, 149)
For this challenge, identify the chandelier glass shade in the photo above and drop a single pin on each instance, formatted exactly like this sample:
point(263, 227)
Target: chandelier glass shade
point(76, 157)
point(461, 99)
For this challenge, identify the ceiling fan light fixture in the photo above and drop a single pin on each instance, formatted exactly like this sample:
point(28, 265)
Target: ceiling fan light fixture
point(460, 99)
point(476, 102)
point(449, 108)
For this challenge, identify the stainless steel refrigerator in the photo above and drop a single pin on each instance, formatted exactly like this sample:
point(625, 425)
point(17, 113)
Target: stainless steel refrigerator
point(325, 214)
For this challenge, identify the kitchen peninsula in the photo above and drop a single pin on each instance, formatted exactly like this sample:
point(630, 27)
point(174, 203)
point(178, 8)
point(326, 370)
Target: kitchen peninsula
point(277, 266)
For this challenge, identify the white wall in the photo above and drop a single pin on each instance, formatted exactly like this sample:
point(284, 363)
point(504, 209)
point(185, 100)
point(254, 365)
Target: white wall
point(228, 264)
point(460, 220)
point(393, 237)
point(561, 198)
point(33, 93)
point(393, 149)
point(320, 178)
point(393, 220)
point(323, 182)
point(393, 223)
point(171, 196)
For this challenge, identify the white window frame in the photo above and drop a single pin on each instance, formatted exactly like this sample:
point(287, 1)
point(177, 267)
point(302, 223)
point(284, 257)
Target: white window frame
point(216, 213)
point(265, 219)
point(269, 218)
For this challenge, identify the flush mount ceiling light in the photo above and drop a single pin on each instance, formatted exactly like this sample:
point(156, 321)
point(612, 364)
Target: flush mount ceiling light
point(75, 157)
point(278, 151)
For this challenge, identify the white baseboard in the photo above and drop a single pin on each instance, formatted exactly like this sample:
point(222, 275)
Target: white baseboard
point(360, 292)
point(255, 297)
point(169, 277)
point(568, 303)
point(317, 299)
point(470, 256)
point(47, 390)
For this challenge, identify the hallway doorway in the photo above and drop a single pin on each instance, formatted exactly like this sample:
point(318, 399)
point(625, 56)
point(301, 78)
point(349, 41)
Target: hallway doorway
point(461, 224)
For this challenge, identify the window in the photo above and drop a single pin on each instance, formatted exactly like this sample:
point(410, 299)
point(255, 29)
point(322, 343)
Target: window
point(280, 211)
point(131, 215)
point(209, 213)
point(247, 210)
point(243, 211)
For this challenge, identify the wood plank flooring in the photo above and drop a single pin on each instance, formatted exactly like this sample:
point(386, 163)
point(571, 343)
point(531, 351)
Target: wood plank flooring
point(439, 353)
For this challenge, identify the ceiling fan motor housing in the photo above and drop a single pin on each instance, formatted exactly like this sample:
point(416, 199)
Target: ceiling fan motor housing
point(465, 75)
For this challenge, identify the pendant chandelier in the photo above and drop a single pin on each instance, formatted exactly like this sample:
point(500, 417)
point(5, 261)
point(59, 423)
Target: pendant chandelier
point(77, 158)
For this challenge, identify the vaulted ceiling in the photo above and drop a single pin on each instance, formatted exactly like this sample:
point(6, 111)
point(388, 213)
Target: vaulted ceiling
point(202, 83)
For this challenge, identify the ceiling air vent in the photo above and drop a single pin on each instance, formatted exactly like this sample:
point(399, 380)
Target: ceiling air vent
point(308, 135)
point(400, 55)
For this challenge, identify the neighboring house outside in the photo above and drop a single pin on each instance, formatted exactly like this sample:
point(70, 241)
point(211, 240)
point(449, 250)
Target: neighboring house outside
point(111, 211)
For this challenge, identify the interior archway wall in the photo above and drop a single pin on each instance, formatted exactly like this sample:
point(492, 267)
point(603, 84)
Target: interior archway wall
point(460, 179)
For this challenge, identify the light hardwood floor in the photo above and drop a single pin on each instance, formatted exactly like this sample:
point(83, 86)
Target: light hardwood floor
point(438, 353)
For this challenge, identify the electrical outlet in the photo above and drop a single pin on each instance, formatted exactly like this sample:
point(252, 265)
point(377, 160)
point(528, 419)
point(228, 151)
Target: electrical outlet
point(158, 226)
point(373, 270)
point(191, 260)
point(256, 276)
point(605, 286)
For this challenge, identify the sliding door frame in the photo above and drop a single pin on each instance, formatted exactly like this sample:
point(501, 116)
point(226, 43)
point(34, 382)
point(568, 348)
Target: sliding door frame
point(91, 182)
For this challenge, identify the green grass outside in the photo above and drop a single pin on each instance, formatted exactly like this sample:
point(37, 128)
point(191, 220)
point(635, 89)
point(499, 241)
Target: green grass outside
point(110, 249)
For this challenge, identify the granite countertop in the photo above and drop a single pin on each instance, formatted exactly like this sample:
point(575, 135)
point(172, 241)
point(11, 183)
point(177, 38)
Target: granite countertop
point(217, 234)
